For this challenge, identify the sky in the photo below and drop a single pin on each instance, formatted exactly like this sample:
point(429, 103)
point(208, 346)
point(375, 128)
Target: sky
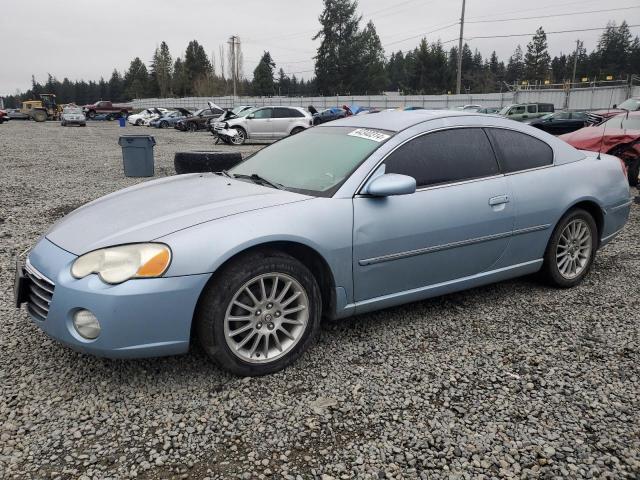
point(86, 39)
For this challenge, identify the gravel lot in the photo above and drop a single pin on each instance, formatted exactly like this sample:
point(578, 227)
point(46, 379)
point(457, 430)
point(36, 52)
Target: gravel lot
point(513, 379)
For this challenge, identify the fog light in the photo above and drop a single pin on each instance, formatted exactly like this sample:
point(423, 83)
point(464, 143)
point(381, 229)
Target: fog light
point(86, 324)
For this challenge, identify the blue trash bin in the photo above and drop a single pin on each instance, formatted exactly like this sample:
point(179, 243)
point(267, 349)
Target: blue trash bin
point(137, 155)
point(123, 121)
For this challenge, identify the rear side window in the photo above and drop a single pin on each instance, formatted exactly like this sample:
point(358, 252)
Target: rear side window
point(281, 112)
point(546, 107)
point(518, 151)
point(445, 157)
point(532, 109)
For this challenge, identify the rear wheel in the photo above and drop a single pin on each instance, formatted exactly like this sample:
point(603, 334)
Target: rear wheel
point(259, 314)
point(571, 249)
point(164, 124)
point(91, 114)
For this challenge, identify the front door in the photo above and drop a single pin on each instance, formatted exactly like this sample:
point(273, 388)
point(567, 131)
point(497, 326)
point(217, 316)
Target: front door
point(457, 224)
point(259, 125)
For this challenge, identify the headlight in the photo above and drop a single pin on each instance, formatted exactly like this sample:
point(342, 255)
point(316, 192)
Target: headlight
point(119, 264)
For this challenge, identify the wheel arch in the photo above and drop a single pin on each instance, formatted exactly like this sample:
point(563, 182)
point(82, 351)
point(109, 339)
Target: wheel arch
point(593, 208)
point(305, 254)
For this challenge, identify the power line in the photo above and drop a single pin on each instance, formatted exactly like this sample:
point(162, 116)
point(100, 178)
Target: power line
point(422, 34)
point(547, 33)
point(551, 16)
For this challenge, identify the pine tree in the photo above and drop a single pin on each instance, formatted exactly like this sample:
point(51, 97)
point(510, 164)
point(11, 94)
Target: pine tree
point(196, 65)
point(537, 59)
point(614, 49)
point(263, 83)
point(338, 55)
point(136, 79)
point(515, 67)
point(116, 87)
point(162, 69)
point(179, 80)
point(372, 78)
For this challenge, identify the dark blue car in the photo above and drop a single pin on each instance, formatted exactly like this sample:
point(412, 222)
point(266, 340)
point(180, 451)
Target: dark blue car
point(170, 119)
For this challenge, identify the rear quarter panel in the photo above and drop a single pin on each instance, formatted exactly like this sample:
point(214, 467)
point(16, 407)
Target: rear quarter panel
point(544, 195)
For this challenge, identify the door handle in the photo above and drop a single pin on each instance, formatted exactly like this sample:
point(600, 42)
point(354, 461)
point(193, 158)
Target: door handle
point(499, 200)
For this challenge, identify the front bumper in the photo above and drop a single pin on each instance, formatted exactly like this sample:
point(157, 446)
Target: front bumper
point(138, 318)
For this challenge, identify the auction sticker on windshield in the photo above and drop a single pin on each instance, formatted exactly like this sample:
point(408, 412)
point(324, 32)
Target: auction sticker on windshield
point(369, 134)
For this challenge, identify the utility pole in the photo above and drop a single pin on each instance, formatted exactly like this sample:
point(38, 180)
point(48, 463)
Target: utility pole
point(459, 77)
point(575, 62)
point(233, 41)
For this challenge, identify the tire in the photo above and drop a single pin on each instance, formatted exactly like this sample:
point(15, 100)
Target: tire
point(164, 124)
point(139, 122)
point(240, 138)
point(192, 127)
point(633, 170)
point(296, 130)
point(556, 269)
point(198, 162)
point(91, 114)
point(39, 116)
point(264, 318)
point(63, 124)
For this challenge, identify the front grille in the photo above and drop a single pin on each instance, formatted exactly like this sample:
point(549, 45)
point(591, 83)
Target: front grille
point(594, 118)
point(40, 293)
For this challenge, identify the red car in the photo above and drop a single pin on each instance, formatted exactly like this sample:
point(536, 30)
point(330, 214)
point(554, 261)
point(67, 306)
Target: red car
point(619, 136)
point(3, 117)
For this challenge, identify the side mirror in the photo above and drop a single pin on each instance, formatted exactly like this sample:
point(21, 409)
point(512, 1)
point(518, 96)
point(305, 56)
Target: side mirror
point(251, 116)
point(615, 105)
point(391, 184)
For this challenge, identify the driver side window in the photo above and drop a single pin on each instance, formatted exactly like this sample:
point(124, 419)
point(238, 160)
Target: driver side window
point(263, 113)
point(446, 156)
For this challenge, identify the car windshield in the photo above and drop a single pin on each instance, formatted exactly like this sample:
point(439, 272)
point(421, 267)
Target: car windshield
point(631, 104)
point(623, 122)
point(316, 161)
point(547, 116)
point(238, 111)
point(199, 112)
point(73, 110)
point(504, 110)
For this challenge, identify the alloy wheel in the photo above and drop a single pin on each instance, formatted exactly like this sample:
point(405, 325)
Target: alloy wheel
point(266, 318)
point(574, 249)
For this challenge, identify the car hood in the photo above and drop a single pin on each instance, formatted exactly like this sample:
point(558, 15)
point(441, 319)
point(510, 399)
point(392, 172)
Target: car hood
point(157, 208)
point(597, 138)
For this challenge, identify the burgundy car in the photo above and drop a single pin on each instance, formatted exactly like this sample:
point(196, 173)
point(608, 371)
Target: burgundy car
point(619, 136)
point(3, 116)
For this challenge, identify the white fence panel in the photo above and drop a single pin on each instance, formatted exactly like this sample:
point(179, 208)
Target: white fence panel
point(578, 99)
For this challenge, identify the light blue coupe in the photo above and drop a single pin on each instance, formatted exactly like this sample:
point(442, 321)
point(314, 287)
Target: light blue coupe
point(352, 216)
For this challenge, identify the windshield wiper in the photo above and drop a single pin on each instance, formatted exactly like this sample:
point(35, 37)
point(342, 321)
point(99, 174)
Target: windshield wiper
point(258, 179)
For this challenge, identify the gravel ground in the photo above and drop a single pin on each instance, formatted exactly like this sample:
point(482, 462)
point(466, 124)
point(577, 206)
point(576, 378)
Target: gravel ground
point(509, 380)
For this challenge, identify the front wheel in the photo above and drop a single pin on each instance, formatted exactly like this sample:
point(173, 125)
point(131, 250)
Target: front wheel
point(259, 314)
point(164, 124)
point(192, 127)
point(296, 130)
point(240, 137)
point(571, 249)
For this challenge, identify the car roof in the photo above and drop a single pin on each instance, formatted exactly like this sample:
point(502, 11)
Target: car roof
point(395, 121)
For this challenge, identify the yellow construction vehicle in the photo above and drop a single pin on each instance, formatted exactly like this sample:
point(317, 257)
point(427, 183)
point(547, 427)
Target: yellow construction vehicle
point(44, 109)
